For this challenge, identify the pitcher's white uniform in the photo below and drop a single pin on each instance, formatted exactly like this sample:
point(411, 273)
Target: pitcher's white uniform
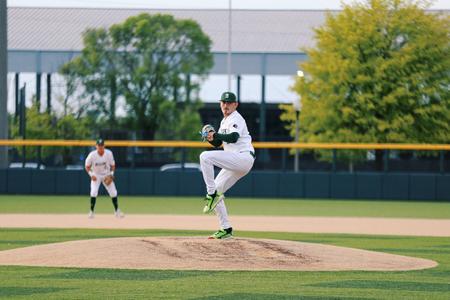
point(236, 160)
point(101, 167)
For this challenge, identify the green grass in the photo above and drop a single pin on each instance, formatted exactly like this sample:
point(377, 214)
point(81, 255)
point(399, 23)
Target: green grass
point(71, 283)
point(236, 206)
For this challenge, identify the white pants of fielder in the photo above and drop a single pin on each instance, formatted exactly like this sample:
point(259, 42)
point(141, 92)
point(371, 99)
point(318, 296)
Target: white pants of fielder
point(234, 166)
point(95, 185)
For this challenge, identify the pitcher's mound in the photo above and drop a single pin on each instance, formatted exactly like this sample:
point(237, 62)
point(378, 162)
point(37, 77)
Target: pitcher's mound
point(199, 253)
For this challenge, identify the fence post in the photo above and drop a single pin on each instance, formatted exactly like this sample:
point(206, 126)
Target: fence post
point(334, 160)
point(441, 161)
point(39, 157)
point(386, 160)
point(183, 157)
point(132, 156)
point(24, 158)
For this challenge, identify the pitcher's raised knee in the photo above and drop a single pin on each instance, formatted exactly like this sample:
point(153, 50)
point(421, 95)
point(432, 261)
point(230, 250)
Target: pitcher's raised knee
point(204, 156)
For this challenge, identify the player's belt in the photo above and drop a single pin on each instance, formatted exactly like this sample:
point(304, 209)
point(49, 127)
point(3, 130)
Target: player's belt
point(251, 153)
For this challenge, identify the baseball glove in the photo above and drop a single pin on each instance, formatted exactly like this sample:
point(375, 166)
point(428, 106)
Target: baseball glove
point(205, 130)
point(108, 179)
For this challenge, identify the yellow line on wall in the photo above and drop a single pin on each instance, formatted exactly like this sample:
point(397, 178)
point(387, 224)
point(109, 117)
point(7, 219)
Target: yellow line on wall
point(192, 144)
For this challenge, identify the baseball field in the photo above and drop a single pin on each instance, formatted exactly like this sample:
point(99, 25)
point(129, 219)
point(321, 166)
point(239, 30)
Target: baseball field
point(366, 225)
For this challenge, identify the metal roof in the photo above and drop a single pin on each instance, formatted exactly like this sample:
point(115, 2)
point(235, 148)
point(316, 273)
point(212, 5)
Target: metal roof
point(263, 41)
point(252, 30)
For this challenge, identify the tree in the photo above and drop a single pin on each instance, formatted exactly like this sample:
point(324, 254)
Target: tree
point(188, 124)
point(50, 126)
point(38, 126)
point(69, 127)
point(96, 71)
point(379, 74)
point(148, 60)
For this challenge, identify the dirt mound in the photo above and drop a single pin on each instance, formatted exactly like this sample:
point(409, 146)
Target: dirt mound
point(199, 253)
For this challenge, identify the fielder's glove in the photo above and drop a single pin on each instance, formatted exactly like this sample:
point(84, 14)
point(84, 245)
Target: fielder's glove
point(108, 179)
point(205, 130)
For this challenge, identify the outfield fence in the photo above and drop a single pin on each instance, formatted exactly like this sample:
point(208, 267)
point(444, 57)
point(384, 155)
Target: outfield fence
point(270, 155)
point(272, 176)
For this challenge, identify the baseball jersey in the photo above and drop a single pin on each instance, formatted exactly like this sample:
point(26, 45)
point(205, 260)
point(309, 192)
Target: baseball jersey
point(236, 123)
point(100, 165)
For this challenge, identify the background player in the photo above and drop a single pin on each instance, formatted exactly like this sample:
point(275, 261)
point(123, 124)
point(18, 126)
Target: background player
point(100, 166)
point(236, 160)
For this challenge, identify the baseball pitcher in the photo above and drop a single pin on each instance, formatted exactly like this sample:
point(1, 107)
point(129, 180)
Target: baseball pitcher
point(236, 160)
point(100, 166)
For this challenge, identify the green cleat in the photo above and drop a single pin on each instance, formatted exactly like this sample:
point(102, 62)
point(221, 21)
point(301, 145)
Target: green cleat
point(222, 234)
point(211, 202)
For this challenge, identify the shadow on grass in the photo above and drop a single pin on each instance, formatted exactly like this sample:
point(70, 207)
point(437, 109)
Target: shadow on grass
point(388, 285)
point(10, 291)
point(106, 274)
point(21, 242)
point(272, 296)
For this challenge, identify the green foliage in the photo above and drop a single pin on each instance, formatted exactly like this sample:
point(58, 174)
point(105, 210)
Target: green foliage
point(38, 126)
point(50, 126)
point(182, 123)
point(96, 72)
point(68, 127)
point(379, 73)
point(148, 60)
point(288, 117)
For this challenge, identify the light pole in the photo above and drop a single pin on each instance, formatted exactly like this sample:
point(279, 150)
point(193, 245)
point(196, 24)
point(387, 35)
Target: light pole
point(3, 83)
point(297, 106)
point(229, 45)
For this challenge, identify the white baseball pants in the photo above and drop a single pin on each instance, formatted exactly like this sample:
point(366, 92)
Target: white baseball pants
point(234, 166)
point(95, 185)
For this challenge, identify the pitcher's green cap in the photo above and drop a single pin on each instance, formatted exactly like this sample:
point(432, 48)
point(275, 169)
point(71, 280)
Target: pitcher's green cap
point(100, 142)
point(228, 97)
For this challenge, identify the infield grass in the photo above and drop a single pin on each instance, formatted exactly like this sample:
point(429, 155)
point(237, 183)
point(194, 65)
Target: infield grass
point(236, 206)
point(72, 283)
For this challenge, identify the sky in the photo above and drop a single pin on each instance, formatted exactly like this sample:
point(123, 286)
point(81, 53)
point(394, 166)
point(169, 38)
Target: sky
point(199, 4)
